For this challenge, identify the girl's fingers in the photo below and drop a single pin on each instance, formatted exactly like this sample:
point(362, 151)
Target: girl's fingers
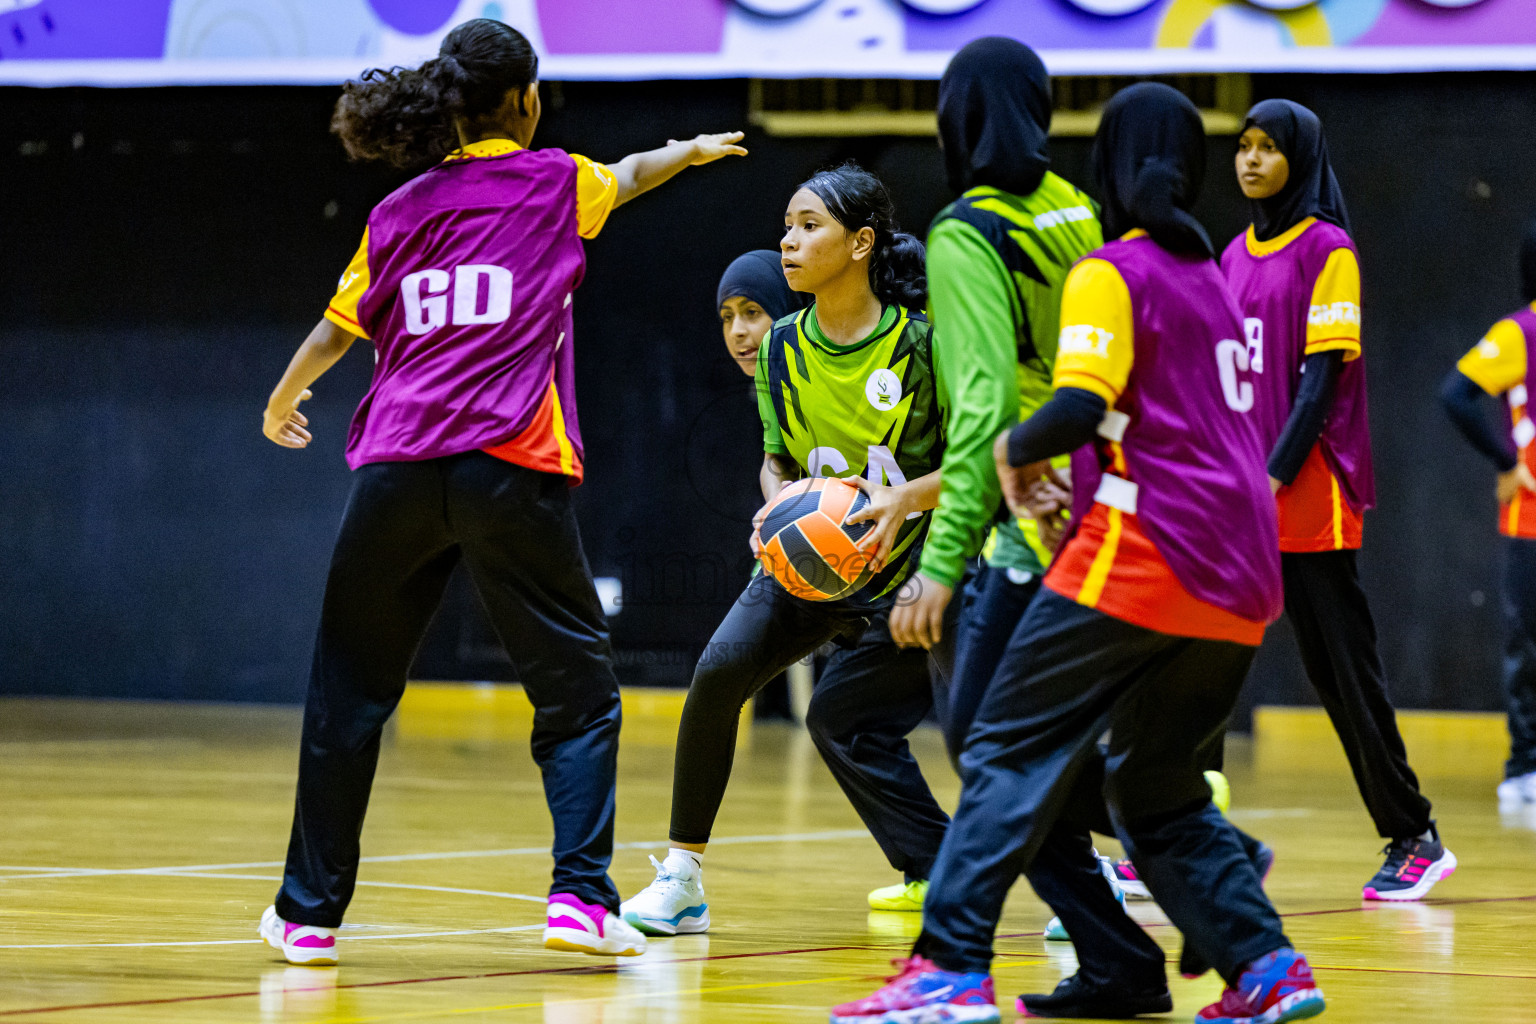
point(299, 418)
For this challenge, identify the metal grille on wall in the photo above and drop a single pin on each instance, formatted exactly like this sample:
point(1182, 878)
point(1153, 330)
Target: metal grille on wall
point(841, 107)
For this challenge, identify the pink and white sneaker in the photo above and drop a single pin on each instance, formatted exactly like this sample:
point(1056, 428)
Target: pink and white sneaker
point(578, 927)
point(299, 943)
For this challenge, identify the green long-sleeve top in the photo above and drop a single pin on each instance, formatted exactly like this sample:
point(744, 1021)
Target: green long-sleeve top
point(996, 266)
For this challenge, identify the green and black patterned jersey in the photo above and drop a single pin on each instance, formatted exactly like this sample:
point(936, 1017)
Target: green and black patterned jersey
point(869, 409)
point(996, 266)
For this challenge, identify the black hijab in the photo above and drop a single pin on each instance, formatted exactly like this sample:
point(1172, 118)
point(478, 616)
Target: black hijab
point(995, 116)
point(1149, 161)
point(1312, 190)
point(759, 276)
point(1528, 263)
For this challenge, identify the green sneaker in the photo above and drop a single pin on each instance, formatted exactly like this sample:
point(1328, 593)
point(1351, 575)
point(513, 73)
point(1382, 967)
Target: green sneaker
point(908, 896)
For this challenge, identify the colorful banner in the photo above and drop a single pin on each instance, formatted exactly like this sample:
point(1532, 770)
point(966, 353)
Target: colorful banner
point(138, 42)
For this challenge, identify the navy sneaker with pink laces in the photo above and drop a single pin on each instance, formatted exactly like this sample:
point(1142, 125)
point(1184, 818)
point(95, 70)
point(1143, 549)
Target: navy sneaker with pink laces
point(922, 992)
point(1412, 868)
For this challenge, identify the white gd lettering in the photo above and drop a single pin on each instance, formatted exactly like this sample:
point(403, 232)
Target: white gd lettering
point(426, 301)
point(466, 294)
point(425, 296)
point(1231, 358)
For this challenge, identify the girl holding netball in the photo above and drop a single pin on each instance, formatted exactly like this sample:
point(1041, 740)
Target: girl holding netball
point(751, 290)
point(1500, 366)
point(845, 389)
point(1296, 276)
point(465, 447)
point(1149, 617)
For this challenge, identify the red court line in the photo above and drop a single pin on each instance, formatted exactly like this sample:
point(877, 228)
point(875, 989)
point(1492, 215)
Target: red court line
point(414, 981)
point(773, 952)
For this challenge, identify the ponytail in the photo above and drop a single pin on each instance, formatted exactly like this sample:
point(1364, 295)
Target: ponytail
point(1155, 207)
point(898, 271)
point(857, 199)
point(410, 117)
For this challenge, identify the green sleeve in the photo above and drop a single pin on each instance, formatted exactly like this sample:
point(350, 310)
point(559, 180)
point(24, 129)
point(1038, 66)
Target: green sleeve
point(975, 354)
point(773, 438)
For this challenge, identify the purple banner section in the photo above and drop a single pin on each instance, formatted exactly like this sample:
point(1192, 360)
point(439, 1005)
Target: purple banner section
point(1490, 23)
point(633, 26)
point(1043, 24)
point(415, 17)
point(85, 30)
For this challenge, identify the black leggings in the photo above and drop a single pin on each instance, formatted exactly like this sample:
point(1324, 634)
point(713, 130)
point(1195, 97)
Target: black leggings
point(406, 526)
point(867, 699)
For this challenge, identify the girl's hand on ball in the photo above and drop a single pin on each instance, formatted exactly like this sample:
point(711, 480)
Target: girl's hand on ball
point(286, 426)
point(888, 508)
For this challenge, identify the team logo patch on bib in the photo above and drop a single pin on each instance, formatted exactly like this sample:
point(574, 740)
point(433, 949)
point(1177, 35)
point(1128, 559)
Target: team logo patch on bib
point(883, 389)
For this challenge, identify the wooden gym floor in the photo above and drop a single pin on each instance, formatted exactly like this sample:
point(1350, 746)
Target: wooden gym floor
point(140, 843)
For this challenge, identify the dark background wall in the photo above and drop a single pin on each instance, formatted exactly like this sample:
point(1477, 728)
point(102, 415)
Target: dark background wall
point(162, 252)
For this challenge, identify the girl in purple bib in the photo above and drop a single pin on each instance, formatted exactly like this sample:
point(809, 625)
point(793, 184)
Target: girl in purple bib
point(1500, 366)
point(465, 448)
point(1296, 275)
point(1176, 463)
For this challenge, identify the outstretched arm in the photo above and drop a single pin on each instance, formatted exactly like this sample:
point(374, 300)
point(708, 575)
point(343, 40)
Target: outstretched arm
point(283, 423)
point(641, 172)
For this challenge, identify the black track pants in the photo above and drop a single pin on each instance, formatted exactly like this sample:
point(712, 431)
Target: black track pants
point(1337, 638)
point(1520, 655)
point(406, 525)
point(1070, 673)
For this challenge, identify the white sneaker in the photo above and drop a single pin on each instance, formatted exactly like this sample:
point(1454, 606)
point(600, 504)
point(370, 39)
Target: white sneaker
point(1519, 790)
point(576, 926)
point(674, 903)
point(299, 943)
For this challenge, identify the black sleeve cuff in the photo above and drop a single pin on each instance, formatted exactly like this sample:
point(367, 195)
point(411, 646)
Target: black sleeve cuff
point(1064, 424)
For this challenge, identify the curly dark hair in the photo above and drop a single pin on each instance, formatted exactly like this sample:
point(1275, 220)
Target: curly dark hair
point(405, 116)
point(857, 199)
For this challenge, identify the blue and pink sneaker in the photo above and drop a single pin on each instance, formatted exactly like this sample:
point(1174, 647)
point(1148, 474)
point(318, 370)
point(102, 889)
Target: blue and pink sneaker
point(924, 993)
point(300, 944)
point(1276, 987)
point(575, 926)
